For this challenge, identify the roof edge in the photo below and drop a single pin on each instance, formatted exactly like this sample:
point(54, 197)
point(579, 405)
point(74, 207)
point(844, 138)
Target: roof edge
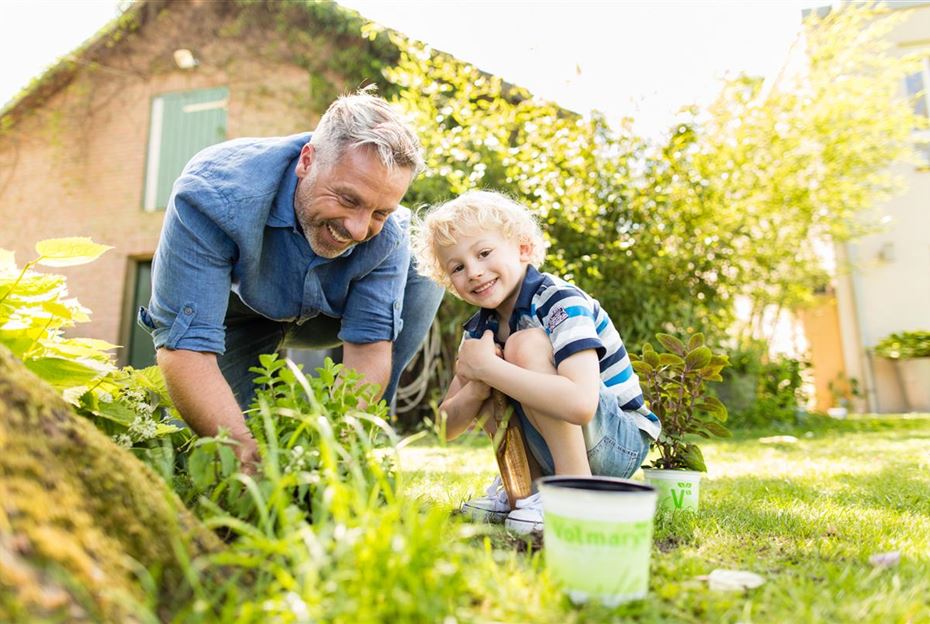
point(61, 73)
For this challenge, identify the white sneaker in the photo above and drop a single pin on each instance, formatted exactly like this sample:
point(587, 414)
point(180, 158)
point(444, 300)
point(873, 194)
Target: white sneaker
point(491, 508)
point(527, 517)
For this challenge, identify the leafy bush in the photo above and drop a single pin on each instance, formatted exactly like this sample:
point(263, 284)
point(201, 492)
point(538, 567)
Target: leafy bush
point(763, 392)
point(322, 533)
point(674, 384)
point(130, 405)
point(904, 345)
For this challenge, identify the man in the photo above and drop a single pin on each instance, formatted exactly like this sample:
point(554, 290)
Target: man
point(293, 241)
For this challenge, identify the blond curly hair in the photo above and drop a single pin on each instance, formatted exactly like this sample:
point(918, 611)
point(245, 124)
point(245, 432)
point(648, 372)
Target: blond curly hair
point(469, 214)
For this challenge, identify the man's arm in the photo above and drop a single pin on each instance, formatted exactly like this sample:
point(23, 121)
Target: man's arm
point(206, 401)
point(372, 360)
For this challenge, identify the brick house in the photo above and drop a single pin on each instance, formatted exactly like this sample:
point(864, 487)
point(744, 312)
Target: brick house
point(92, 146)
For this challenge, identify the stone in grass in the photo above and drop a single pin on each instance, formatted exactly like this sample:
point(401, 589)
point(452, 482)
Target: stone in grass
point(886, 559)
point(779, 439)
point(732, 580)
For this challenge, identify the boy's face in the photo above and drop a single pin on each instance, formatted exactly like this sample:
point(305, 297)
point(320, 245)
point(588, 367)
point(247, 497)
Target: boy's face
point(486, 269)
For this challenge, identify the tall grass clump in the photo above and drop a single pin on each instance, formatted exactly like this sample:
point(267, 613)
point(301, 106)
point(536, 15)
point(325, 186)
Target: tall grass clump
point(321, 534)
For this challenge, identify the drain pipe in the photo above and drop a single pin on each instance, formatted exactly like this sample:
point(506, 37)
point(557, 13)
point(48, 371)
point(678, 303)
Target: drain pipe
point(850, 257)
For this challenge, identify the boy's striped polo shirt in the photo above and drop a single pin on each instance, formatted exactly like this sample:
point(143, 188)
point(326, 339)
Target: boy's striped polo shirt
point(574, 322)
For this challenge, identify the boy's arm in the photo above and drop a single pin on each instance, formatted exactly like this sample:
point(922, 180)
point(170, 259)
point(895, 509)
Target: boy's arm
point(462, 405)
point(571, 395)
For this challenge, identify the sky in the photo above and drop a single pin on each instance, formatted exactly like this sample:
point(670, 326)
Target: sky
point(644, 59)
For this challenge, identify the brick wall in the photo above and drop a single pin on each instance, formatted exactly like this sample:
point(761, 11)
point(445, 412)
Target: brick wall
point(75, 165)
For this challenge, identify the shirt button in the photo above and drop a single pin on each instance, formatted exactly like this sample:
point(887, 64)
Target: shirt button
point(397, 305)
point(188, 310)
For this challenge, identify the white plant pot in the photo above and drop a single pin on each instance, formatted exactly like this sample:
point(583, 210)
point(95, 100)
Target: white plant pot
point(837, 412)
point(677, 489)
point(915, 376)
point(598, 536)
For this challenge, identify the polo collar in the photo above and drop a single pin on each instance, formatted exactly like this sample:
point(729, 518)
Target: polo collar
point(480, 321)
point(282, 208)
point(528, 289)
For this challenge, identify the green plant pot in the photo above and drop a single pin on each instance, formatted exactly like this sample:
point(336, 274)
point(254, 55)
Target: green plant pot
point(598, 536)
point(677, 489)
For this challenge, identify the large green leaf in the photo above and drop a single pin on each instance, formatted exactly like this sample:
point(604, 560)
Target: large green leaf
point(693, 458)
point(71, 251)
point(641, 367)
point(717, 429)
point(714, 406)
point(698, 358)
point(697, 340)
point(671, 343)
point(64, 373)
point(670, 359)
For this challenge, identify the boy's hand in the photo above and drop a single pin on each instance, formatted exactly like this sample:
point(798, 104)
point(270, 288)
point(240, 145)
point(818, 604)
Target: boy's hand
point(474, 355)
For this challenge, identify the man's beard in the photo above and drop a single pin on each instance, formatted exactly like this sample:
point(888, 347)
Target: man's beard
point(313, 228)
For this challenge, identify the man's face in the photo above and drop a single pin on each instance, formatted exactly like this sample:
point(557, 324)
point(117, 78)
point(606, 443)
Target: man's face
point(343, 203)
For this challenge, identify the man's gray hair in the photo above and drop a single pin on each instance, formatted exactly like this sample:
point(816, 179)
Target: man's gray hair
point(364, 119)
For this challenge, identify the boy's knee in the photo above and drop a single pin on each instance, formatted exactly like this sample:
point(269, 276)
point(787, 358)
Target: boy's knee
point(527, 347)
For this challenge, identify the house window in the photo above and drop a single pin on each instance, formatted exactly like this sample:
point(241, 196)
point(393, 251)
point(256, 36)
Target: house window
point(917, 87)
point(181, 125)
point(140, 347)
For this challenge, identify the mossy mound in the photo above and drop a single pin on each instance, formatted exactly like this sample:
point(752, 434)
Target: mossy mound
point(87, 532)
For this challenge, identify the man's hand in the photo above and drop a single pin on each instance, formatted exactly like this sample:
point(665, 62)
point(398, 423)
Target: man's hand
point(475, 355)
point(247, 452)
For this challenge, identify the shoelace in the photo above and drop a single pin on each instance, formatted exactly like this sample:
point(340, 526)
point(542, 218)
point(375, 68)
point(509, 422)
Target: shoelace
point(497, 492)
point(533, 501)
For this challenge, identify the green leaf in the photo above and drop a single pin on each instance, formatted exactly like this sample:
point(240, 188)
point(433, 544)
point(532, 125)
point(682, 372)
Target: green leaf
point(671, 343)
point(201, 468)
point(718, 430)
point(113, 411)
point(63, 373)
point(228, 461)
point(670, 359)
point(642, 368)
point(698, 358)
point(712, 405)
point(697, 340)
point(650, 356)
point(693, 458)
point(71, 251)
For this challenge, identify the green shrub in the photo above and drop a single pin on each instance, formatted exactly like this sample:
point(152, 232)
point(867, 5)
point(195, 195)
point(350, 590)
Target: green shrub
point(762, 392)
point(130, 405)
point(674, 383)
point(322, 534)
point(904, 345)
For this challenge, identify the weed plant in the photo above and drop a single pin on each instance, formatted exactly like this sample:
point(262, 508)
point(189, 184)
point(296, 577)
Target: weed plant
point(320, 533)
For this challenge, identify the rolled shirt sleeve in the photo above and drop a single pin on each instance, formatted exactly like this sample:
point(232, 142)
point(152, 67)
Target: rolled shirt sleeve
point(375, 301)
point(191, 275)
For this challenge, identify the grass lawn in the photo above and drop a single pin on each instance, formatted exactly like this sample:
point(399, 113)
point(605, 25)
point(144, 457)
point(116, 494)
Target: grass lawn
point(807, 516)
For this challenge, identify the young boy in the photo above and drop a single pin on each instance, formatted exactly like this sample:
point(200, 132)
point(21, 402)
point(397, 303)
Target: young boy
point(563, 364)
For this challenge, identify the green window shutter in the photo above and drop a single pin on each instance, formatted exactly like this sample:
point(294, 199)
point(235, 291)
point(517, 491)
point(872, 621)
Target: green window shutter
point(141, 349)
point(182, 124)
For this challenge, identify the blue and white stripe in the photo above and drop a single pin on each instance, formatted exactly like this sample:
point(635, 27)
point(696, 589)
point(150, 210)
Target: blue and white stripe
point(574, 322)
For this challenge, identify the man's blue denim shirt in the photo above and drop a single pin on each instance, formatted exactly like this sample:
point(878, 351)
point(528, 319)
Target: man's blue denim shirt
point(230, 226)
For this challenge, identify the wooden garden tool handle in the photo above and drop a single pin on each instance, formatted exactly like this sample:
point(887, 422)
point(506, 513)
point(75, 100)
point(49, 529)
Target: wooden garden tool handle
point(511, 452)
